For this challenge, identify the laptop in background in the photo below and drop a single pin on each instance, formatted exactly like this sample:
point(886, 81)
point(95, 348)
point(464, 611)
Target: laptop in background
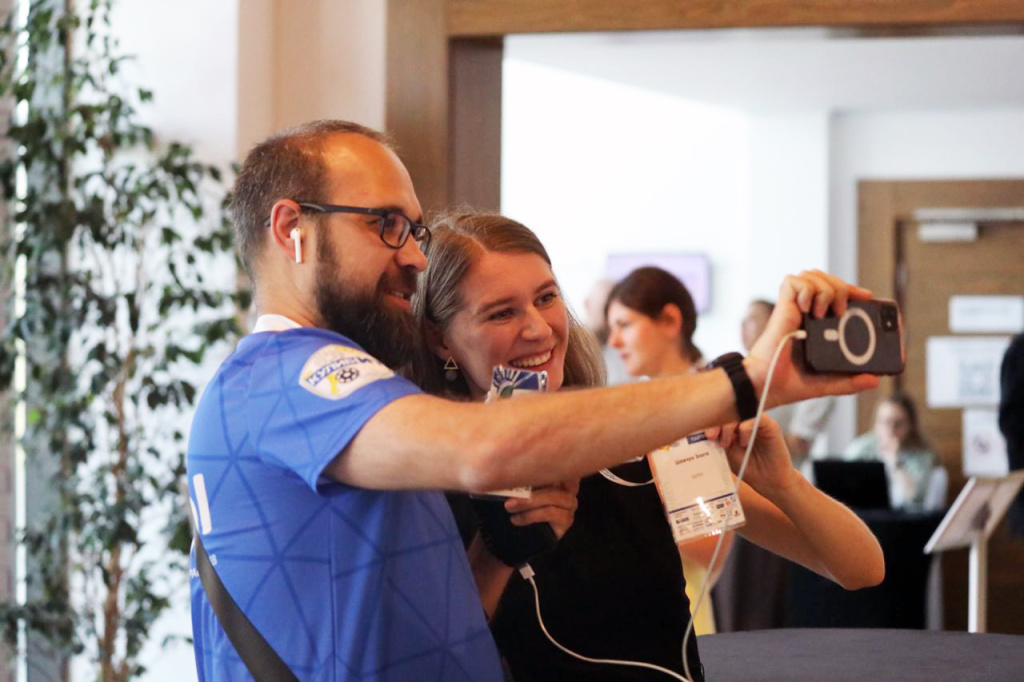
point(862, 485)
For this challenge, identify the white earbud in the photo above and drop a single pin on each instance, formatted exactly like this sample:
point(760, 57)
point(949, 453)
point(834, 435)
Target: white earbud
point(297, 240)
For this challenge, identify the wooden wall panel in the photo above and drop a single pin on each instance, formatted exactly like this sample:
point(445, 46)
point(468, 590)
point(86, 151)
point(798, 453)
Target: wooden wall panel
point(417, 114)
point(475, 129)
point(444, 107)
point(502, 17)
point(876, 256)
point(934, 272)
point(882, 206)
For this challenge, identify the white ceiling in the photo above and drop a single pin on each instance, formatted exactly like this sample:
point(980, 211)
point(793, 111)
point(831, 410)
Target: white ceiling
point(796, 69)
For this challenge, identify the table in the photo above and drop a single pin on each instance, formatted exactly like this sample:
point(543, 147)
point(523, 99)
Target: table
point(853, 655)
point(899, 602)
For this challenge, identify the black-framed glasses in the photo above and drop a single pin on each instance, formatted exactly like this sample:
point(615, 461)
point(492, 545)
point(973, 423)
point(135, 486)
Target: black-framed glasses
point(395, 227)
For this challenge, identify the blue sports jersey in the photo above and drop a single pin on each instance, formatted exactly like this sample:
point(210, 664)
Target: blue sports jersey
point(344, 583)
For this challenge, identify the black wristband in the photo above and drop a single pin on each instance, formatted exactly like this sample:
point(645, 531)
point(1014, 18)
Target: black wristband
point(742, 386)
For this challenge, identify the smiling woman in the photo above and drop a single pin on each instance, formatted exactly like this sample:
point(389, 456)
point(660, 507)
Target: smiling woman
point(613, 587)
point(515, 316)
point(489, 297)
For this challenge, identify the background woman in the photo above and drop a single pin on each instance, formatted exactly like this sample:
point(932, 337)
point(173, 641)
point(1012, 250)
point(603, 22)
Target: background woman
point(613, 587)
point(652, 319)
point(896, 440)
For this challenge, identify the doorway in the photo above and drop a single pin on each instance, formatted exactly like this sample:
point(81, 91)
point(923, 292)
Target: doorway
point(923, 274)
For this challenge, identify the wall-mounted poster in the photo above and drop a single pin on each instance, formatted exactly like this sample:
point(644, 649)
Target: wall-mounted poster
point(692, 269)
point(983, 443)
point(986, 314)
point(963, 371)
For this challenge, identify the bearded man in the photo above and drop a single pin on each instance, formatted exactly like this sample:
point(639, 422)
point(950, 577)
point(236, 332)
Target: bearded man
point(324, 549)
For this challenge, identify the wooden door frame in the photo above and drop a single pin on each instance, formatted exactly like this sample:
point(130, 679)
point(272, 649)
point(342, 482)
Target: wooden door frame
point(884, 209)
point(885, 213)
point(444, 57)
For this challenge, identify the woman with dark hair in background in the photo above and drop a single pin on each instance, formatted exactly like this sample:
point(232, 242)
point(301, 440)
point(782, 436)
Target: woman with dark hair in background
point(613, 587)
point(652, 318)
point(661, 344)
point(897, 441)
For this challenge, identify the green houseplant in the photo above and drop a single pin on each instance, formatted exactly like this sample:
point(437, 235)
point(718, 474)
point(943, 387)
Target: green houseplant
point(110, 241)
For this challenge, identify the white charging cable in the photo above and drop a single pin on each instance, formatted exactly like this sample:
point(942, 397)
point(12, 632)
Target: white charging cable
point(527, 572)
point(618, 480)
point(798, 334)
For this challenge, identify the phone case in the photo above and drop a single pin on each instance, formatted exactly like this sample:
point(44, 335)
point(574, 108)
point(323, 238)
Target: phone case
point(867, 339)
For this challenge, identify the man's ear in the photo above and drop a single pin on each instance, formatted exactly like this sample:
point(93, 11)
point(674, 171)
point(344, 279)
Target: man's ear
point(671, 319)
point(285, 232)
point(434, 338)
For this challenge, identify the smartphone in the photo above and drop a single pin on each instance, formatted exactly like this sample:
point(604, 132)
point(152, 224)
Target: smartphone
point(866, 339)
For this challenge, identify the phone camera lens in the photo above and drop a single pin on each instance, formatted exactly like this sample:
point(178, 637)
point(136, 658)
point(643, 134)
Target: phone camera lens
point(890, 317)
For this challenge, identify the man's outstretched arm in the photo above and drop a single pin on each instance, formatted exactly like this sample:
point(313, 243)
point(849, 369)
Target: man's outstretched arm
point(427, 442)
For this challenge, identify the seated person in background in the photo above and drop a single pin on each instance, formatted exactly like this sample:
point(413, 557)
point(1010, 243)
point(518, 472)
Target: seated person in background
point(652, 319)
point(802, 422)
point(896, 440)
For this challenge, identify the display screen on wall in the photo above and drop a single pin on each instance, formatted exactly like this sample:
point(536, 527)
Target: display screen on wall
point(693, 269)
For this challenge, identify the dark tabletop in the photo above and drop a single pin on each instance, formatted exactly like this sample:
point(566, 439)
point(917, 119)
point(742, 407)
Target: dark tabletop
point(848, 655)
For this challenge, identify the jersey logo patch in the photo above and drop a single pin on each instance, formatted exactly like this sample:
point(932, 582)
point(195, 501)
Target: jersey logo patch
point(335, 372)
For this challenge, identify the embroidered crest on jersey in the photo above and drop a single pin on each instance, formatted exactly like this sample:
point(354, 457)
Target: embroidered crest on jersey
point(335, 372)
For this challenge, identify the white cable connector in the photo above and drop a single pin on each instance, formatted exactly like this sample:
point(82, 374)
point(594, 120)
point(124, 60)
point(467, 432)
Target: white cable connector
point(798, 334)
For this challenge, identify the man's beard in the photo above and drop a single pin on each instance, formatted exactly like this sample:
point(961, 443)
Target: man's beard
point(387, 333)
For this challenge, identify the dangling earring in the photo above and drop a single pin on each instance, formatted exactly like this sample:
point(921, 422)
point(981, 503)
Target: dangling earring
point(451, 369)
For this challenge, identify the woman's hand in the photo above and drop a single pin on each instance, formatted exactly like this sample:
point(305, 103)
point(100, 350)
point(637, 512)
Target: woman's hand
point(789, 516)
point(770, 467)
point(553, 504)
point(813, 292)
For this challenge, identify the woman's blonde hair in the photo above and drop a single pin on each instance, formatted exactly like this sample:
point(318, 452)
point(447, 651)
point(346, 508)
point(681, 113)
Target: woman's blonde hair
point(458, 239)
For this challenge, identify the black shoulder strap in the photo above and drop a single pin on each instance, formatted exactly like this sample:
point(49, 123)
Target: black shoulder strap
point(257, 655)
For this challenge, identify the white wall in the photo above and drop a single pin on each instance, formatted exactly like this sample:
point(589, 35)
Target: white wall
point(597, 168)
point(187, 53)
point(762, 193)
point(789, 198)
point(911, 145)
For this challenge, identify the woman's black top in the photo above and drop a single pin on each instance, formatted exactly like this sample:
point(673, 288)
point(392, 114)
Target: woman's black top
point(612, 588)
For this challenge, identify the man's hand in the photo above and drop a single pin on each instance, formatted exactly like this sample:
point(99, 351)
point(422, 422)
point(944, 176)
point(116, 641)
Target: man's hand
point(554, 504)
point(814, 292)
point(770, 468)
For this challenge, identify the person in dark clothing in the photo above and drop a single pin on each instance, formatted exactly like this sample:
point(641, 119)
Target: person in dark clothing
point(1011, 420)
point(613, 588)
point(653, 319)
